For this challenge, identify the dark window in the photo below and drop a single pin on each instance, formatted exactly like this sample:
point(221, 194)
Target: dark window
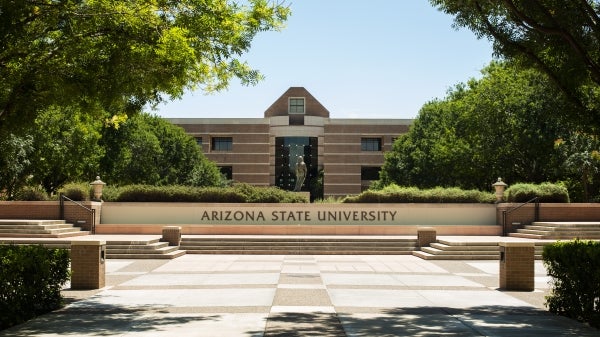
point(227, 172)
point(287, 150)
point(199, 141)
point(296, 105)
point(369, 172)
point(222, 143)
point(370, 144)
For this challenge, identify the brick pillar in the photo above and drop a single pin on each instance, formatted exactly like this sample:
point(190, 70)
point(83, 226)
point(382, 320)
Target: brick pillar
point(88, 268)
point(172, 235)
point(426, 236)
point(517, 266)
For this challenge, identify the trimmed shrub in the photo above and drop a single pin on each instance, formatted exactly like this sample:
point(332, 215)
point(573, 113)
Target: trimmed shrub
point(31, 278)
point(546, 192)
point(398, 194)
point(30, 193)
point(575, 270)
point(240, 193)
point(76, 191)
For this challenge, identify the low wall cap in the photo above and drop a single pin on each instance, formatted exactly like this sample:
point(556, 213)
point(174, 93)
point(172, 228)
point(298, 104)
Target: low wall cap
point(516, 244)
point(88, 243)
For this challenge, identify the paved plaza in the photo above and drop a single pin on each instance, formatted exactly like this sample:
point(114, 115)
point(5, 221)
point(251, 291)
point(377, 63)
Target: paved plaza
point(303, 295)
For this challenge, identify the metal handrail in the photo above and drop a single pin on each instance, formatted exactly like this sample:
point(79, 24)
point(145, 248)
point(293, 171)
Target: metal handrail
point(536, 214)
point(62, 199)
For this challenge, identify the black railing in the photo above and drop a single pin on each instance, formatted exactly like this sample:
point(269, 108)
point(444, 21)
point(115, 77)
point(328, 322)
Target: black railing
point(536, 213)
point(91, 210)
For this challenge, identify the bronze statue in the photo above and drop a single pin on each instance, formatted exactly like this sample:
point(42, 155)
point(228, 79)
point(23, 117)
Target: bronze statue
point(300, 173)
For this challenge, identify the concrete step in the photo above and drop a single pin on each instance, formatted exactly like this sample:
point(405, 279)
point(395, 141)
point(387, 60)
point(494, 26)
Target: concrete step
point(45, 235)
point(39, 229)
point(299, 252)
point(162, 250)
point(30, 222)
point(299, 245)
point(429, 256)
point(435, 251)
point(170, 255)
point(453, 247)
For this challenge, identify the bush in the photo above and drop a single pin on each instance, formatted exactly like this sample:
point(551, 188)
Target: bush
point(398, 194)
point(31, 278)
point(546, 192)
point(76, 191)
point(30, 193)
point(240, 193)
point(575, 270)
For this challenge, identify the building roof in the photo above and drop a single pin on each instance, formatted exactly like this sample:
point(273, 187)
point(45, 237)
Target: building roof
point(312, 106)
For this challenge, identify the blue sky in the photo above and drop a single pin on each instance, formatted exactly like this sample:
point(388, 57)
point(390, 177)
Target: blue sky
point(360, 59)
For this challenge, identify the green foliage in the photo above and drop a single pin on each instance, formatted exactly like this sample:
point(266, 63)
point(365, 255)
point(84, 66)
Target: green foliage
point(398, 194)
point(546, 192)
point(147, 149)
point(558, 37)
point(575, 270)
point(66, 143)
point(31, 278)
point(497, 126)
point(118, 56)
point(31, 193)
point(239, 193)
point(14, 163)
point(77, 191)
point(580, 154)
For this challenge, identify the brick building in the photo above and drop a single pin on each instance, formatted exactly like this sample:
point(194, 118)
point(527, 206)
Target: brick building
point(263, 151)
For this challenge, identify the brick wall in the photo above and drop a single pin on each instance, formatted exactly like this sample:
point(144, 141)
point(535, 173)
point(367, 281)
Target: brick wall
point(547, 212)
point(50, 210)
point(517, 266)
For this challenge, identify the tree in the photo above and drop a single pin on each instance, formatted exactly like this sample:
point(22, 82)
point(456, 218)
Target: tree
point(503, 125)
point(581, 157)
point(558, 37)
point(147, 149)
point(65, 142)
point(14, 164)
point(122, 55)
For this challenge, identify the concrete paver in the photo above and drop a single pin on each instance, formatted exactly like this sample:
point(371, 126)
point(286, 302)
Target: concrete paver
point(276, 295)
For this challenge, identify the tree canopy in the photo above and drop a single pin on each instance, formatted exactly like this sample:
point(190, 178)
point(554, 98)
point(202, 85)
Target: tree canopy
point(119, 55)
point(558, 37)
point(505, 124)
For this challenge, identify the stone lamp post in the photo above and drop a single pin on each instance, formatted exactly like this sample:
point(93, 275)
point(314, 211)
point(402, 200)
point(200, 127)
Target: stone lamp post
point(500, 187)
point(98, 185)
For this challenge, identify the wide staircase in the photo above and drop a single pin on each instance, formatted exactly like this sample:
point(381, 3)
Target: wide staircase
point(559, 231)
point(141, 249)
point(296, 245)
point(468, 250)
point(115, 249)
point(39, 229)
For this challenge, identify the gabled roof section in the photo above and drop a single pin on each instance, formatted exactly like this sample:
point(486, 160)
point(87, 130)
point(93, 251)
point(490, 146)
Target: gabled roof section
point(312, 107)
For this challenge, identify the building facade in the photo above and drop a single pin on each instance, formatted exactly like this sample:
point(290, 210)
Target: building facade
point(346, 153)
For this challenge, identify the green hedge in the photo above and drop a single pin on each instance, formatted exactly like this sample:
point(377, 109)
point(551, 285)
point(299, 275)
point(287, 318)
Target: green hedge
point(238, 193)
point(398, 194)
point(546, 192)
point(31, 278)
point(575, 270)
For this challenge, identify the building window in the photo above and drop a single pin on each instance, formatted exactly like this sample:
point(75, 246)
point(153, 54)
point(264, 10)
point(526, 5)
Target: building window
point(222, 143)
point(369, 172)
point(370, 144)
point(227, 172)
point(296, 105)
point(198, 141)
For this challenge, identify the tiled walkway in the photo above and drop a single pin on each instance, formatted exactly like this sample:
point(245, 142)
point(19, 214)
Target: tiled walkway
point(249, 295)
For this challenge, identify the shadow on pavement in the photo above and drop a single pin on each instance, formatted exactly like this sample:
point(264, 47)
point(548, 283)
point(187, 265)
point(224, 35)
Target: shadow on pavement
point(428, 321)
